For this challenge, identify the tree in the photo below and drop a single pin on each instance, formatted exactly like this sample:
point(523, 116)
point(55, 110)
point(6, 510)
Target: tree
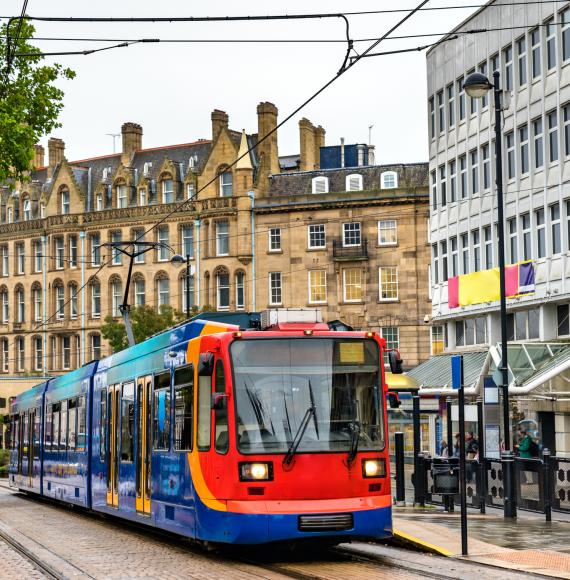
point(146, 321)
point(30, 101)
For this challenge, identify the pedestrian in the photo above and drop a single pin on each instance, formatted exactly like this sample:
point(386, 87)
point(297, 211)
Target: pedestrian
point(444, 449)
point(524, 445)
point(471, 446)
point(456, 446)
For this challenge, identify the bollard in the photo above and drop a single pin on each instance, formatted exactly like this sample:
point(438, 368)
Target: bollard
point(547, 484)
point(421, 479)
point(508, 463)
point(482, 487)
point(450, 440)
point(417, 443)
point(400, 472)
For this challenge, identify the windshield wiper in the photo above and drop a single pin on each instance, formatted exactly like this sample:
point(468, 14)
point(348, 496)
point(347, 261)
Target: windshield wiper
point(354, 439)
point(299, 435)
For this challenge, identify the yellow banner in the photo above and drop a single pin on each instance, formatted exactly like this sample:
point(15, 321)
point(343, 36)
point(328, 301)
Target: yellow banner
point(479, 287)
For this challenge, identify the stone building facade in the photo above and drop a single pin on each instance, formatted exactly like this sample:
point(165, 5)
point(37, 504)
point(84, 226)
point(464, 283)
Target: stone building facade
point(58, 279)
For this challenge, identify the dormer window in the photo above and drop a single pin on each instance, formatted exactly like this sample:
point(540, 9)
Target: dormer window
point(226, 184)
point(167, 191)
point(142, 197)
point(99, 202)
point(320, 185)
point(10, 215)
point(190, 190)
point(65, 202)
point(42, 210)
point(27, 209)
point(121, 196)
point(354, 182)
point(389, 180)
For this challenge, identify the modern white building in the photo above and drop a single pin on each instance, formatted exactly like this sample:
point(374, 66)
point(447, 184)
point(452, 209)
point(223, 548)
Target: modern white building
point(530, 46)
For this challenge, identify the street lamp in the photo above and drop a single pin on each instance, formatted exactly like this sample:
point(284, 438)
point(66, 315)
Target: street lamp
point(477, 86)
point(177, 260)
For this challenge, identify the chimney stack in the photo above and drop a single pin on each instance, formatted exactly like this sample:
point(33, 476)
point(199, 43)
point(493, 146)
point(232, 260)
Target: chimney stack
point(220, 120)
point(342, 151)
point(39, 156)
point(132, 141)
point(267, 150)
point(309, 154)
point(56, 149)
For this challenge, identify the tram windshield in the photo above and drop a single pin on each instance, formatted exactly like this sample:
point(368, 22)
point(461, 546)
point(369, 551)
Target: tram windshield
point(277, 381)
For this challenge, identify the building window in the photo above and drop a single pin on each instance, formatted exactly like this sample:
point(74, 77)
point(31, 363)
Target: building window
point(73, 301)
point(523, 140)
point(550, 30)
point(226, 184)
point(432, 118)
point(27, 205)
point(563, 320)
point(555, 228)
point(391, 335)
point(275, 290)
point(98, 202)
point(5, 261)
point(222, 238)
point(167, 191)
point(552, 119)
point(352, 285)
point(72, 251)
point(510, 143)
point(461, 98)
point(20, 355)
point(95, 346)
point(451, 105)
point(465, 253)
point(351, 234)
point(142, 197)
point(140, 292)
point(476, 237)
point(38, 306)
point(20, 258)
point(435, 260)
point(454, 262)
point(389, 180)
point(163, 292)
point(387, 232)
point(37, 249)
point(190, 191)
point(317, 286)
point(66, 352)
point(442, 185)
point(566, 130)
point(53, 353)
point(59, 253)
point(434, 190)
point(540, 233)
point(444, 272)
point(471, 331)
point(317, 237)
point(437, 340)
point(441, 112)
point(65, 201)
point(474, 158)
point(5, 355)
point(354, 182)
point(521, 56)
point(240, 291)
point(565, 21)
point(59, 302)
point(95, 250)
point(452, 181)
point(523, 325)
point(388, 283)
point(486, 166)
point(320, 185)
point(484, 98)
point(487, 238)
point(275, 239)
point(116, 298)
point(138, 235)
point(526, 237)
point(185, 281)
point(121, 196)
point(117, 258)
point(463, 176)
point(536, 57)
point(95, 299)
point(508, 63)
point(21, 304)
point(188, 241)
point(10, 215)
point(538, 143)
point(163, 249)
point(38, 353)
point(223, 289)
point(513, 240)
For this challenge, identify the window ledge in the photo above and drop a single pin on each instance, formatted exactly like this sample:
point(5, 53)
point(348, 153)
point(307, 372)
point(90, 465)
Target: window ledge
point(384, 300)
point(274, 251)
point(392, 245)
point(319, 249)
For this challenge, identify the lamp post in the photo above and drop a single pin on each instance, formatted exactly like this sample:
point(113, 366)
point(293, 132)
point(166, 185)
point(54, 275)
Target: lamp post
point(177, 260)
point(477, 86)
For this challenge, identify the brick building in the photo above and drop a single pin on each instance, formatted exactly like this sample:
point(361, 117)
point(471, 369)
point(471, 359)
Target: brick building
point(349, 239)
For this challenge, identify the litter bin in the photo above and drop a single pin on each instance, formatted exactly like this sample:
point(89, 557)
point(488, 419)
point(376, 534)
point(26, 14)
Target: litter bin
point(445, 473)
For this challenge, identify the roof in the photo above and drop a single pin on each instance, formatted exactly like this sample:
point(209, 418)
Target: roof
point(436, 371)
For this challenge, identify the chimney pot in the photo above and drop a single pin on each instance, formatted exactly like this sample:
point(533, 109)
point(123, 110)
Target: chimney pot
point(220, 120)
point(56, 149)
point(132, 140)
point(39, 156)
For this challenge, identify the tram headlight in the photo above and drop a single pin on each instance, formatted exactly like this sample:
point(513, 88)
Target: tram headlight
point(258, 471)
point(373, 468)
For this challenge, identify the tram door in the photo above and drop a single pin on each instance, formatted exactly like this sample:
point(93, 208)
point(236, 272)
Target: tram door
point(31, 424)
point(21, 443)
point(144, 445)
point(113, 441)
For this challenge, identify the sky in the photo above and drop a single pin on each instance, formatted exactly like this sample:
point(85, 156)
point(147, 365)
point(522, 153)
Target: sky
point(171, 89)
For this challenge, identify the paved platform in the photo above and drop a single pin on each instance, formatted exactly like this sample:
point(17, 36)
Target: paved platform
point(491, 540)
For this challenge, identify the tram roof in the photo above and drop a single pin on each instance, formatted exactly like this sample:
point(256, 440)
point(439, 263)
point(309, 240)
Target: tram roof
point(29, 399)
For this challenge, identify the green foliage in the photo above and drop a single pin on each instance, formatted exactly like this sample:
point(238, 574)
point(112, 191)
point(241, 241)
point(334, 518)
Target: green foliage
point(30, 101)
point(4, 460)
point(146, 321)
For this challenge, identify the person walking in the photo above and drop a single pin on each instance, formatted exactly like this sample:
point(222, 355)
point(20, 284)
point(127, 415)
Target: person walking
point(525, 445)
point(444, 449)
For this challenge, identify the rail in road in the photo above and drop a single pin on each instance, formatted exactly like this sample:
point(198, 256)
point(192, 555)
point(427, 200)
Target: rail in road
point(60, 542)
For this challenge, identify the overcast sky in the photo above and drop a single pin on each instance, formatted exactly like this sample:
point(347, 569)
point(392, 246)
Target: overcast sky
point(171, 89)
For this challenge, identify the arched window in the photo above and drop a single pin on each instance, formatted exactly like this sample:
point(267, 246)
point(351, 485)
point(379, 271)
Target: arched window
point(320, 184)
point(186, 291)
point(59, 299)
point(240, 290)
point(64, 202)
point(20, 303)
point(389, 180)
point(207, 298)
point(162, 284)
point(122, 195)
point(38, 344)
point(4, 304)
point(95, 297)
point(20, 347)
point(226, 182)
point(354, 182)
point(27, 209)
point(73, 300)
point(139, 290)
point(116, 292)
point(222, 288)
point(37, 302)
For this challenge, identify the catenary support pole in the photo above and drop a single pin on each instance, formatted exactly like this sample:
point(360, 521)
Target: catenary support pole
point(417, 444)
point(400, 471)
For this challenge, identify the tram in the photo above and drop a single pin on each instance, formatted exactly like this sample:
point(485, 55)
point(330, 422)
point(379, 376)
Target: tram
point(219, 434)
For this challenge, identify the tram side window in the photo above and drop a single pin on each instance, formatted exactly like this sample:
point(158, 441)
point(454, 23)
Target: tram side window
point(128, 422)
point(16, 439)
point(8, 435)
point(26, 436)
point(161, 411)
point(36, 434)
point(204, 412)
point(103, 440)
point(63, 426)
point(81, 424)
point(221, 441)
point(48, 435)
point(56, 426)
point(72, 424)
point(183, 407)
